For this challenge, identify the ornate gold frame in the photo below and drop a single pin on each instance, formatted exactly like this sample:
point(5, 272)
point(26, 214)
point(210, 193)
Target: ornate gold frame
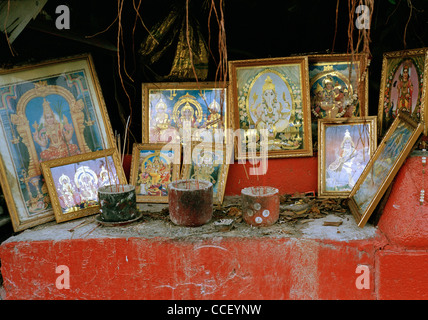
point(385, 86)
point(170, 89)
point(372, 185)
point(136, 163)
point(223, 171)
point(329, 60)
point(238, 95)
point(62, 162)
point(366, 139)
point(16, 131)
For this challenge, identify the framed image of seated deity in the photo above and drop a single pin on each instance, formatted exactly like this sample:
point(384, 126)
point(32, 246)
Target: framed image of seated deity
point(177, 111)
point(209, 162)
point(338, 85)
point(271, 107)
point(403, 85)
point(49, 110)
point(344, 149)
point(388, 158)
point(73, 182)
point(153, 167)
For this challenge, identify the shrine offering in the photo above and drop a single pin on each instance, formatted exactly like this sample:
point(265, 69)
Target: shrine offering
point(190, 202)
point(260, 205)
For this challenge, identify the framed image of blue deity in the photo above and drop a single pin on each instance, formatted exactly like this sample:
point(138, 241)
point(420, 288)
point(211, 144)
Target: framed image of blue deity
point(209, 162)
point(344, 148)
point(154, 166)
point(403, 85)
point(178, 111)
point(73, 182)
point(271, 107)
point(388, 158)
point(50, 110)
point(338, 85)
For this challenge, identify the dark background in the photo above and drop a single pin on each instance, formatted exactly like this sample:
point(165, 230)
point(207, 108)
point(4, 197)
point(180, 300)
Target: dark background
point(254, 29)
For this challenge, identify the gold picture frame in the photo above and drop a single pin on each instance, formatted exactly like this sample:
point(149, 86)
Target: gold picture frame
point(168, 107)
point(344, 148)
point(209, 162)
point(153, 167)
point(403, 84)
point(348, 74)
point(276, 126)
point(73, 182)
point(391, 153)
point(37, 102)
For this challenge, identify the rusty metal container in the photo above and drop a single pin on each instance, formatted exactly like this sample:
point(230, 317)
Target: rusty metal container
point(260, 205)
point(190, 202)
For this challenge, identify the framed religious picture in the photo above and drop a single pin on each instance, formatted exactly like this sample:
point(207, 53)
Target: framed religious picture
point(344, 148)
point(403, 85)
point(209, 162)
point(49, 110)
point(271, 107)
point(338, 85)
point(378, 174)
point(154, 166)
point(73, 182)
point(170, 108)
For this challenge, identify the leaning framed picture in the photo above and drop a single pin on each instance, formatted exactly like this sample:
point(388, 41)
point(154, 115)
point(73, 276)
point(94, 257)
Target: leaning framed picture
point(49, 110)
point(378, 174)
point(403, 85)
point(344, 148)
point(209, 162)
point(153, 167)
point(73, 182)
point(271, 107)
point(178, 111)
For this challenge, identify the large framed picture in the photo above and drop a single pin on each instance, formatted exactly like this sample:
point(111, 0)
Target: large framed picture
point(49, 110)
point(403, 85)
point(73, 182)
point(177, 111)
point(209, 162)
point(383, 166)
point(271, 107)
point(344, 148)
point(154, 166)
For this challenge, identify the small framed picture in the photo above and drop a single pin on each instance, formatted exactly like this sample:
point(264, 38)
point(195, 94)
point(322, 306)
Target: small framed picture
point(49, 110)
point(383, 166)
point(344, 149)
point(403, 85)
point(176, 109)
point(271, 107)
point(154, 166)
point(209, 162)
point(73, 182)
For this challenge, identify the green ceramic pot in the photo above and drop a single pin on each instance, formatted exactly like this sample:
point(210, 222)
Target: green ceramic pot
point(117, 203)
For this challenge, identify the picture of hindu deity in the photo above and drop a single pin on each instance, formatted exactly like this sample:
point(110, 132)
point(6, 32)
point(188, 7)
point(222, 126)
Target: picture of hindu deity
point(183, 110)
point(47, 119)
point(270, 101)
point(155, 172)
point(383, 165)
point(209, 163)
point(77, 184)
point(403, 81)
point(347, 160)
point(333, 93)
